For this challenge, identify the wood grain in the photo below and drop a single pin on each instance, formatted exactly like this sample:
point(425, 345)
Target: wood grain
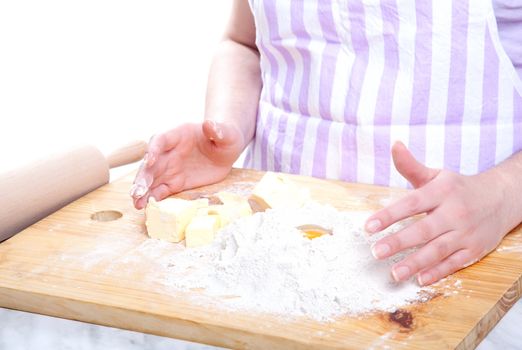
point(39, 188)
point(73, 266)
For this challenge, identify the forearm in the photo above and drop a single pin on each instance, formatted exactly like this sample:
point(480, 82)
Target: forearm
point(234, 86)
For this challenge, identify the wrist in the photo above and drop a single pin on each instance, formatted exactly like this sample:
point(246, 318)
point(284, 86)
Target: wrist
point(505, 181)
point(241, 135)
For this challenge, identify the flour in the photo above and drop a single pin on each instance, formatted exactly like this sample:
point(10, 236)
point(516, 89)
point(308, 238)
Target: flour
point(264, 264)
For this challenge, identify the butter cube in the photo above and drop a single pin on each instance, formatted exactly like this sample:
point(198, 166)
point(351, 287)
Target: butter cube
point(201, 230)
point(168, 219)
point(220, 211)
point(278, 191)
point(238, 206)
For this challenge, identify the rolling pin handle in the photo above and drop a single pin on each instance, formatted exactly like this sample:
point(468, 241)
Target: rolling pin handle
point(130, 153)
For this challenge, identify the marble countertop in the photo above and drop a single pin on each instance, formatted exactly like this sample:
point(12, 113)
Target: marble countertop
point(26, 331)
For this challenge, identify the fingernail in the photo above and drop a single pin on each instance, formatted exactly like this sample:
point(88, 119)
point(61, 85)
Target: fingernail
point(138, 191)
point(149, 159)
point(400, 273)
point(132, 191)
point(424, 279)
point(373, 226)
point(380, 250)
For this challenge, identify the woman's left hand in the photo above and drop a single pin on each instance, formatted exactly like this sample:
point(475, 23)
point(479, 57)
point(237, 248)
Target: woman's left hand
point(466, 218)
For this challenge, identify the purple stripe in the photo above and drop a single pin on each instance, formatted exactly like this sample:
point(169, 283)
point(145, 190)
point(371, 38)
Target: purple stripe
point(488, 119)
point(358, 71)
point(321, 149)
point(303, 40)
point(278, 148)
point(264, 141)
point(277, 42)
point(251, 152)
point(517, 122)
point(457, 84)
point(297, 149)
point(248, 156)
point(421, 79)
point(274, 71)
point(384, 106)
point(349, 154)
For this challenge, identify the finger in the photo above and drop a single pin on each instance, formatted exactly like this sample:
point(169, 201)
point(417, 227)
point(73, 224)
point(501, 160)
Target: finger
point(149, 159)
point(161, 192)
point(167, 189)
point(167, 165)
point(416, 202)
point(428, 256)
point(420, 232)
point(142, 182)
point(221, 133)
point(173, 181)
point(170, 174)
point(140, 203)
point(416, 173)
point(162, 143)
point(456, 261)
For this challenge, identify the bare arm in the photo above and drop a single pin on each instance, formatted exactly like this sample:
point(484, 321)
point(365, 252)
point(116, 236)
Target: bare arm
point(198, 154)
point(234, 82)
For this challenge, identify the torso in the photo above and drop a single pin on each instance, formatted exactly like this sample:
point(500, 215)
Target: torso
point(344, 79)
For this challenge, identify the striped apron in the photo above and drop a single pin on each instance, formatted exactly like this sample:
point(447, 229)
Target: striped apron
point(344, 79)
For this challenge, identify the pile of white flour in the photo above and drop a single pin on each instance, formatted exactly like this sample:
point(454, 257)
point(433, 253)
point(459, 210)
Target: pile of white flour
point(263, 263)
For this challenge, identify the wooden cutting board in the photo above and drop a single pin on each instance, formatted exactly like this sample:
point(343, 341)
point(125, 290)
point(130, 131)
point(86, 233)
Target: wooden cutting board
point(86, 263)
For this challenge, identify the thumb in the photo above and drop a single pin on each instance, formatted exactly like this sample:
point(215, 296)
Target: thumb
point(222, 134)
point(416, 173)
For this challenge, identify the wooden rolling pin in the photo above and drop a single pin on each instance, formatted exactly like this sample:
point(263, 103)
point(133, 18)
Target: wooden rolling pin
point(33, 191)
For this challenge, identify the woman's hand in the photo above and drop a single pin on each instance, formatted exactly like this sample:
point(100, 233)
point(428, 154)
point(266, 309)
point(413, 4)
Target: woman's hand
point(188, 156)
point(466, 217)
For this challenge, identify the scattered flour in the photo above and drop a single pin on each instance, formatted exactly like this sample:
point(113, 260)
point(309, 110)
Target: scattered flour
point(264, 264)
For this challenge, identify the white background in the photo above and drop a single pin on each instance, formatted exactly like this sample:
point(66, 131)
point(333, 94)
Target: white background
point(101, 72)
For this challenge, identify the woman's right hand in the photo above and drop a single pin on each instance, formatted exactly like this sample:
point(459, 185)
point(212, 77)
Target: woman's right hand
point(188, 156)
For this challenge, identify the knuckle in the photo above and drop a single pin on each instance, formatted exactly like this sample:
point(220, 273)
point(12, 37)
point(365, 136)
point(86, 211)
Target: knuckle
point(424, 230)
point(454, 261)
point(441, 250)
point(385, 217)
point(462, 212)
point(396, 243)
point(415, 263)
point(447, 187)
point(467, 237)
